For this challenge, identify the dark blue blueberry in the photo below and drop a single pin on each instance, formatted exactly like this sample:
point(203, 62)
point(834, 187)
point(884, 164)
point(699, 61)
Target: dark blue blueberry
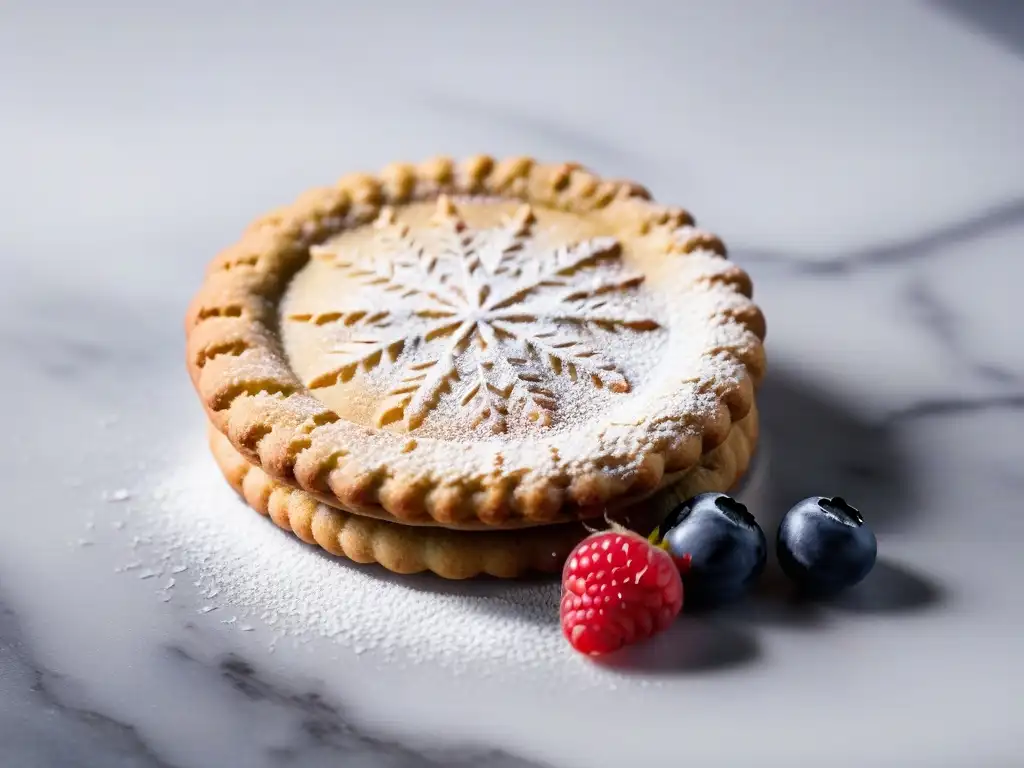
point(725, 546)
point(825, 546)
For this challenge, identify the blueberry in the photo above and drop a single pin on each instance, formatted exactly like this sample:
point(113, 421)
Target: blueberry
point(825, 546)
point(725, 546)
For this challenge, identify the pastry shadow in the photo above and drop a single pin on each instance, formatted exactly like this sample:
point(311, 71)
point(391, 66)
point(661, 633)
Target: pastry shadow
point(539, 608)
point(821, 446)
point(531, 599)
point(999, 20)
point(695, 644)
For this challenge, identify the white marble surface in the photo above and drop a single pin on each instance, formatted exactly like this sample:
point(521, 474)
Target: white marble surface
point(863, 160)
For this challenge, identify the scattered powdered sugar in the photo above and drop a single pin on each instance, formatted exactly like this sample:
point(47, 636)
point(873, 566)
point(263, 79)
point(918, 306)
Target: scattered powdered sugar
point(247, 568)
point(234, 569)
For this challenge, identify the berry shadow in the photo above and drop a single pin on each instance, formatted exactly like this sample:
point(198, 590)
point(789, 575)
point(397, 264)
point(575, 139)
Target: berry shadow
point(773, 601)
point(890, 588)
point(820, 446)
point(692, 645)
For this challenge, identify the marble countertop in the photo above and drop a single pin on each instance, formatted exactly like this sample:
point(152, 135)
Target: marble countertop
point(863, 160)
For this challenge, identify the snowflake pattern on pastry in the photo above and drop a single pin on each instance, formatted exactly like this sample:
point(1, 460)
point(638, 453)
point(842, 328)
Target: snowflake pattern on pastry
point(482, 316)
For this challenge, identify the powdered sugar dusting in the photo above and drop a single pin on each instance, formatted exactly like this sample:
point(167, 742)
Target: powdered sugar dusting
point(250, 573)
point(225, 566)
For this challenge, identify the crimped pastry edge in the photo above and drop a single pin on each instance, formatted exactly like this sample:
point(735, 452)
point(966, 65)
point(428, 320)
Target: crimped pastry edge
point(453, 554)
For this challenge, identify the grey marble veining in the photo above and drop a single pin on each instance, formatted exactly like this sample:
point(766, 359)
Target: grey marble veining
point(44, 725)
point(862, 160)
point(38, 726)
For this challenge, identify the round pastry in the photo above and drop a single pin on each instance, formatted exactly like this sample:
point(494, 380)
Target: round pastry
point(478, 343)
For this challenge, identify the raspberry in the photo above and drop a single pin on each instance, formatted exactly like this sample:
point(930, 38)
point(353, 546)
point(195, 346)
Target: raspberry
point(617, 589)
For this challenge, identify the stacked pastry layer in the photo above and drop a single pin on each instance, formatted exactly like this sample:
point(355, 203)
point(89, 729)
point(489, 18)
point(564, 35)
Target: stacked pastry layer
point(452, 366)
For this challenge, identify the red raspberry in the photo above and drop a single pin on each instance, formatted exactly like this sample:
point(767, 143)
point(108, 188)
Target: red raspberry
point(617, 589)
